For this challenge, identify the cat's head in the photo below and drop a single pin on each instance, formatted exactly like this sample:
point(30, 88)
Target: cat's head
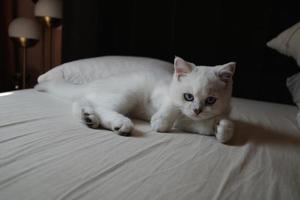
point(201, 92)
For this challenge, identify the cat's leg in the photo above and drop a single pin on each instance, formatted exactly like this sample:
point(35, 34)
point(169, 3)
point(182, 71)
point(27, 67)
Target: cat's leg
point(203, 127)
point(164, 118)
point(114, 121)
point(107, 111)
point(109, 119)
point(224, 130)
point(85, 112)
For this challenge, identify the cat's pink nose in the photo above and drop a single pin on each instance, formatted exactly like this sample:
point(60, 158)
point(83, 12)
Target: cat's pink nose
point(197, 111)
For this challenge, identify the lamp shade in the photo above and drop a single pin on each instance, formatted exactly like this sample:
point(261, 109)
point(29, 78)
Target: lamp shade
point(49, 8)
point(26, 28)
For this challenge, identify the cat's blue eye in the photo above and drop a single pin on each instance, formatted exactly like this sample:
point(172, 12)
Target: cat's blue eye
point(210, 101)
point(188, 97)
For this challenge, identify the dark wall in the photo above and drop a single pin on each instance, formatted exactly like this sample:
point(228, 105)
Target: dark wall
point(7, 49)
point(204, 32)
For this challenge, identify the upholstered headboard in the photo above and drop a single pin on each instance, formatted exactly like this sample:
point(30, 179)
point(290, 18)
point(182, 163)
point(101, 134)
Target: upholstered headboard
point(204, 32)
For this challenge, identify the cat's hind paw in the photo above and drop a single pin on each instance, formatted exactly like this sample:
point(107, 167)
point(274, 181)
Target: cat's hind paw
point(123, 126)
point(90, 119)
point(224, 131)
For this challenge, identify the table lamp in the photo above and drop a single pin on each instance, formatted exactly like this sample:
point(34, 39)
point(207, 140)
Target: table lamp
point(49, 13)
point(25, 33)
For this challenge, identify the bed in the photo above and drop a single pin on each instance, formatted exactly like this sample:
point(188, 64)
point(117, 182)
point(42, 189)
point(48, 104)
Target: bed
point(46, 154)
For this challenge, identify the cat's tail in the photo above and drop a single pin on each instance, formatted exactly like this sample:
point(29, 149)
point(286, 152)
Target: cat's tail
point(60, 88)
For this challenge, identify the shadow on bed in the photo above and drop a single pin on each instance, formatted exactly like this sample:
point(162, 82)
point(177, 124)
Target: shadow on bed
point(137, 133)
point(254, 133)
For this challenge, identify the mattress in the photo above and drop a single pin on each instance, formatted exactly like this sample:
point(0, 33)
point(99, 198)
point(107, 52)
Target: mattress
point(47, 154)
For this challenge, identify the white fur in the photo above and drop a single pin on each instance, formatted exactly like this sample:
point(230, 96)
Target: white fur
point(155, 97)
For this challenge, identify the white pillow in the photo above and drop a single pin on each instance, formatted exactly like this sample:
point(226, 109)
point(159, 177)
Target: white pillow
point(298, 119)
point(293, 84)
point(288, 42)
point(86, 70)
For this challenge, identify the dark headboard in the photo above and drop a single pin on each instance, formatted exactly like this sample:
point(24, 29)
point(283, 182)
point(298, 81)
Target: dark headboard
point(204, 32)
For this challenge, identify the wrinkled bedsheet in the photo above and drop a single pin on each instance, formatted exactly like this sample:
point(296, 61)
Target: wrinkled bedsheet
point(47, 154)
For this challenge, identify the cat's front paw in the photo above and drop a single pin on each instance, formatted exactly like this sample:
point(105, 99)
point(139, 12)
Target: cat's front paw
point(224, 131)
point(160, 123)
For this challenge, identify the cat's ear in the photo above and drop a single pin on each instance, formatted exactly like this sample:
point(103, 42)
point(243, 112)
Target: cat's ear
point(225, 72)
point(182, 67)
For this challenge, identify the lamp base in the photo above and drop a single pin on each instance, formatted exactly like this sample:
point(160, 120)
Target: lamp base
point(24, 42)
point(49, 22)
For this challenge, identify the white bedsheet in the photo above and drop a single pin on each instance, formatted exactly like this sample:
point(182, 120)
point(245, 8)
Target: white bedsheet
point(46, 154)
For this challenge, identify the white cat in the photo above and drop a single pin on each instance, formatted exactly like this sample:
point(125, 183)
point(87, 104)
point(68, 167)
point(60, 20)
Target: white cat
point(193, 99)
